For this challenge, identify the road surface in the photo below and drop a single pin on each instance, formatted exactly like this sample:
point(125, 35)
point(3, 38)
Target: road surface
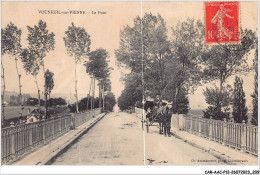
point(118, 140)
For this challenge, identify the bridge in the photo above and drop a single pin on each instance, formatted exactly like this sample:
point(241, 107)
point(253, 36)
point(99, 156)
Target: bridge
point(120, 138)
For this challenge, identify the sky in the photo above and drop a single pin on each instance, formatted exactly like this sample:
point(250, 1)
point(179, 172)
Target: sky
point(104, 30)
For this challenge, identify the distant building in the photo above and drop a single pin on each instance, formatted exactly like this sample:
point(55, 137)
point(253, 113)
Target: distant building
point(35, 116)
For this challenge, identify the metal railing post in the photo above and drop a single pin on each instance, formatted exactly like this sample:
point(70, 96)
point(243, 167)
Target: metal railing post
point(210, 128)
point(72, 121)
point(225, 135)
point(44, 131)
point(177, 122)
point(30, 135)
point(200, 126)
point(53, 128)
point(243, 136)
point(12, 140)
point(59, 121)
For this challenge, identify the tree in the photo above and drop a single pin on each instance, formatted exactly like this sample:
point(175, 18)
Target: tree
point(3, 91)
point(32, 102)
point(145, 49)
point(84, 105)
point(239, 102)
point(57, 101)
point(188, 45)
point(132, 92)
point(223, 61)
point(49, 84)
point(110, 101)
point(98, 67)
point(31, 66)
point(77, 41)
point(182, 103)
point(11, 44)
point(215, 98)
point(40, 42)
point(3, 51)
point(254, 96)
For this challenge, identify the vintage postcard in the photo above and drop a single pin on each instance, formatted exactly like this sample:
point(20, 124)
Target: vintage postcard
point(130, 83)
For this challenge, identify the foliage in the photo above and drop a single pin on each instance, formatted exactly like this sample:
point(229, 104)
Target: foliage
point(149, 47)
point(182, 102)
point(132, 92)
point(77, 41)
point(254, 96)
point(15, 100)
point(98, 64)
point(110, 101)
point(40, 42)
point(219, 102)
point(107, 84)
point(98, 67)
point(11, 44)
point(57, 102)
point(29, 59)
point(185, 66)
point(11, 40)
point(222, 61)
point(214, 113)
point(32, 102)
point(239, 102)
point(49, 81)
point(83, 104)
point(129, 53)
point(189, 45)
point(167, 67)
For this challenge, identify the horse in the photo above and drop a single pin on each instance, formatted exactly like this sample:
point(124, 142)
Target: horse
point(167, 122)
point(161, 114)
point(164, 115)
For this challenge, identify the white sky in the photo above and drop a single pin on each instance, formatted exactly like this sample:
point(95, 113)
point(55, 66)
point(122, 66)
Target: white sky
point(104, 31)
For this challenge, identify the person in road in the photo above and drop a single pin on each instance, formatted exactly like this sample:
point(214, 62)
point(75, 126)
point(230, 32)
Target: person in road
point(168, 118)
point(156, 101)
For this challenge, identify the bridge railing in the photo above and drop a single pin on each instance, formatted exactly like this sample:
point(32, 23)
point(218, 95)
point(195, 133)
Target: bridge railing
point(16, 140)
point(237, 135)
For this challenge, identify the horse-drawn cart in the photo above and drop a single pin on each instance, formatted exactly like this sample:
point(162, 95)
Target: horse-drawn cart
point(156, 113)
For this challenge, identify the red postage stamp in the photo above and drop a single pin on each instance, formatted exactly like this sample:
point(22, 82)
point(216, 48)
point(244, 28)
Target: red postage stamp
point(222, 22)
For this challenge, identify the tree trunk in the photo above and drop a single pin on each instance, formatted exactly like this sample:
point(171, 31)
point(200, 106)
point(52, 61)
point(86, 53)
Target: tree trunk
point(3, 93)
point(45, 92)
point(89, 94)
point(100, 95)
point(20, 86)
point(39, 92)
point(175, 99)
point(94, 93)
point(219, 107)
point(103, 96)
point(49, 101)
point(76, 89)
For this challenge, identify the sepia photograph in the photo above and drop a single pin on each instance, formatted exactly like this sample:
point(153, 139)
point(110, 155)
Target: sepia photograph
point(143, 83)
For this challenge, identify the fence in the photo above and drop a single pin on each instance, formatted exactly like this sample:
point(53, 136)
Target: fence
point(237, 135)
point(17, 140)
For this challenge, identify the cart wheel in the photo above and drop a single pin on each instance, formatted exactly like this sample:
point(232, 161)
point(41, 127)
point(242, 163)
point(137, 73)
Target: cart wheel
point(147, 125)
